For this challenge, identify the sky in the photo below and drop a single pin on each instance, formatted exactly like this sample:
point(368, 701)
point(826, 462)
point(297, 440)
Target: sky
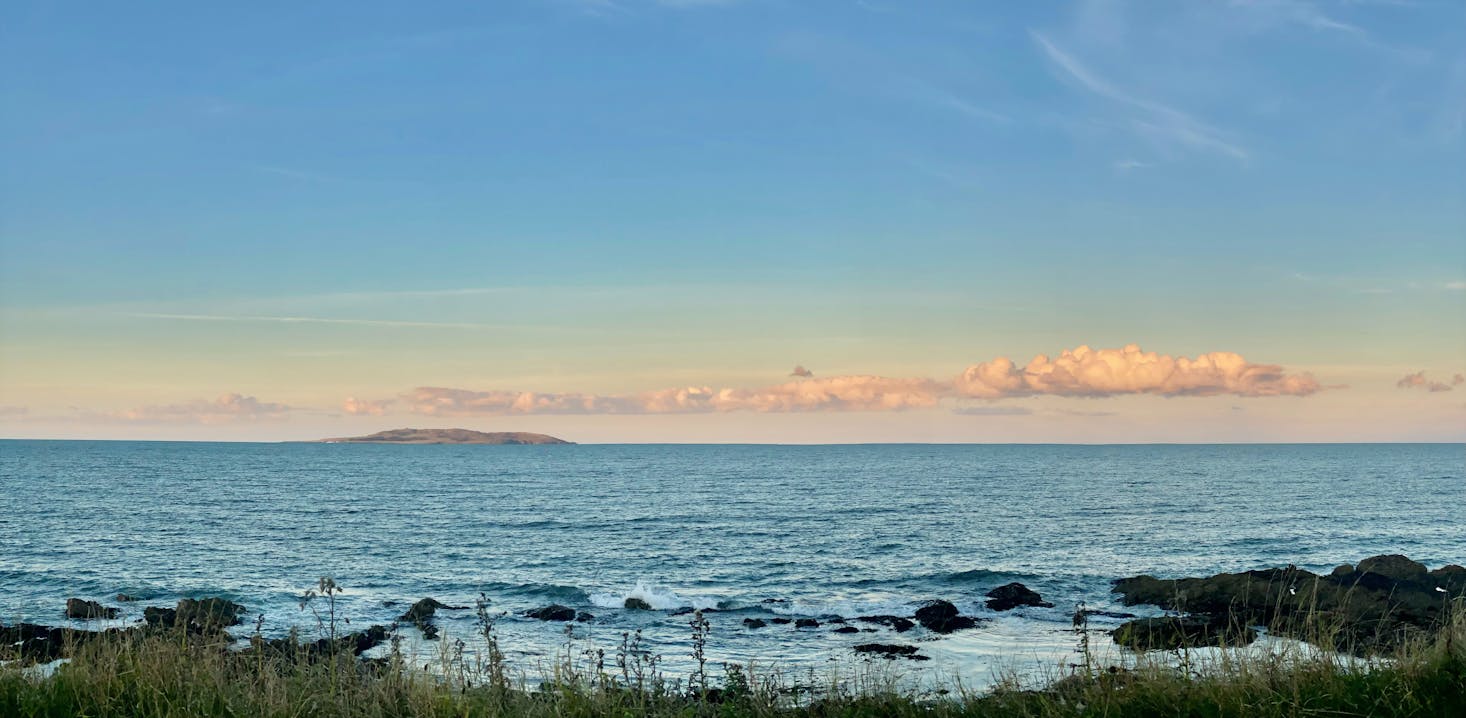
point(735, 221)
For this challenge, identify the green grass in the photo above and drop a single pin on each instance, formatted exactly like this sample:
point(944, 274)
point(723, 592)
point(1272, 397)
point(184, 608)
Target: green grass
point(168, 673)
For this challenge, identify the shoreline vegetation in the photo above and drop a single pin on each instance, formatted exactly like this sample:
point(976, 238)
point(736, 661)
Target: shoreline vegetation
point(1390, 638)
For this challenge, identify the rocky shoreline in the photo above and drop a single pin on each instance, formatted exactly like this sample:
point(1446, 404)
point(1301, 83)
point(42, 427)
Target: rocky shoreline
point(1373, 606)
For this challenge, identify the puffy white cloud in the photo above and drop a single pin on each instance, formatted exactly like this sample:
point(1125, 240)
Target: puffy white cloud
point(1418, 380)
point(1086, 372)
point(364, 407)
point(226, 409)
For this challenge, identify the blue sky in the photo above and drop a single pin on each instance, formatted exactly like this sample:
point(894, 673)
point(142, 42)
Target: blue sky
point(614, 197)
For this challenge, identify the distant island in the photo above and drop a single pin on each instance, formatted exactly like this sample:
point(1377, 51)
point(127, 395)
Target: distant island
point(446, 436)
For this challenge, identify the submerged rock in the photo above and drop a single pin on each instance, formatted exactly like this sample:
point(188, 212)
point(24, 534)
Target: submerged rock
point(88, 610)
point(1010, 596)
point(636, 604)
point(754, 623)
point(781, 620)
point(891, 650)
point(125, 598)
point(1377, 604)
point(1175, 633)
point(583, 617)
point(806, 623)
point(552, 612)
point(899, 624)
point(846, 629)
point(942, 617)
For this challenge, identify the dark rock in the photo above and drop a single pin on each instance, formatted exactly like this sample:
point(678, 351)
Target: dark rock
point(775, 600)
point(1106, 614)
point(806, 623)
point(583, 617)
point(1010, 596)
point(88, 610)
point(901, 625)
point(781, 620)
point(637, 604)
point(833, 619)
point(942, 617)
point(1375, 605)
point(208, 614)
point(889, 650)
point(754, 623)
point(165, 617)
point(125, 598)
point(1175, 633)
point(425, 609)
point(847, 629)
point(552, 612)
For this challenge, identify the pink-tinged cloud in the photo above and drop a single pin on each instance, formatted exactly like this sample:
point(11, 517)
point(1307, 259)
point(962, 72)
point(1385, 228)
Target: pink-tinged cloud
point(1418, 380)
point(800, 371)
point(1082, 372)
point(363, 407)
point(1086, 372)
point(228, 408)
point(842, 393)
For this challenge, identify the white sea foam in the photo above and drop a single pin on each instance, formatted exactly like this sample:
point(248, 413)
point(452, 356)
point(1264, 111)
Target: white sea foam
point(658, 597)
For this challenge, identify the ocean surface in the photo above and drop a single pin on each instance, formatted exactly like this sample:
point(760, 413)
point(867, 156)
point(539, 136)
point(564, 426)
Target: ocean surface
point(753, 531)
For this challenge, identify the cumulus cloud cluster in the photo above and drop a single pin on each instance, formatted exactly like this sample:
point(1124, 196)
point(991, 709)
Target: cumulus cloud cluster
point(225, 409)
point(1418, 380)
point(1110, 372)
point(364, 407)
point(1080, 372)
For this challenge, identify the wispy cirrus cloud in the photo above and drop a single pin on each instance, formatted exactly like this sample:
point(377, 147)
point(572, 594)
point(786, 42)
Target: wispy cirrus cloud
point(1418, 380)
point(1081, 372)
point(1152, 120)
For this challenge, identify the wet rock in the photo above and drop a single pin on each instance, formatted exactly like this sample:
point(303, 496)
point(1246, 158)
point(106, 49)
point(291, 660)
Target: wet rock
point(583, 617)
point(754, 623)
point(1091, 612)
point(125, 598)
point(806, 623)
point(897, 623)
point(847, 629)
point(890, 650)
point(781, 621)
point(942, 617)
point(1175, 633)
point(164, 617)
point(552, 612)
point(637, 604)
point(88, 610)
point(1374, 605)
point(354, 643)
point(775, 600)
point(1010, 596)
point(208, 614)
point(425, 610)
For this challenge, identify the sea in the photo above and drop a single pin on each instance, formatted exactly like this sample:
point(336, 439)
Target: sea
point(744, 531)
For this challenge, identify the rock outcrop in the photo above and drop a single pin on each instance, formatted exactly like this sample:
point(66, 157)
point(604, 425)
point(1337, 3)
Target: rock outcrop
point(1376, 605)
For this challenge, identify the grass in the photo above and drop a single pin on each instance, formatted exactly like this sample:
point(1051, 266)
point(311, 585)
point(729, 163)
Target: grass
point(170, 673)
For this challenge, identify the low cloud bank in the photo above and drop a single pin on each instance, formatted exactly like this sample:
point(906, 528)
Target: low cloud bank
point(1086, 372)
point(226, 409)
point(1418, 380)
point(1080, 372)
